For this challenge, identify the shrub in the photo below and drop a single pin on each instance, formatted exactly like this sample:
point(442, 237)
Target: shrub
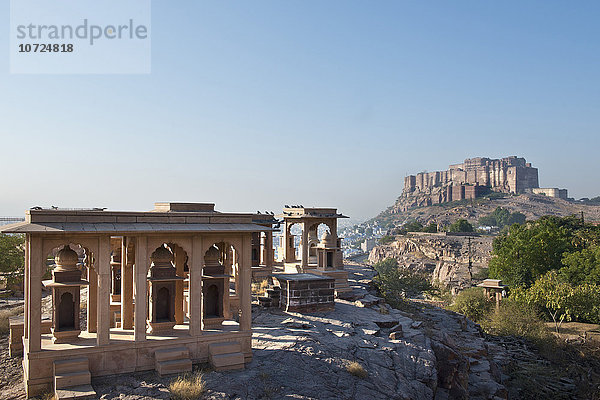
point(357, 370)
point(514, 318)
point(187, 387)
point(473, 304)
point(561, 300)
point(387, 239)
point(396, 282)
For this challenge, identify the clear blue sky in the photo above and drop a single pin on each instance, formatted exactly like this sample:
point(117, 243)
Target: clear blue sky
point(253, 105)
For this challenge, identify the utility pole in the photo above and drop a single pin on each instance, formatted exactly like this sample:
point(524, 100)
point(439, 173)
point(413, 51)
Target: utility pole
point(470, 263)
point(582, 220)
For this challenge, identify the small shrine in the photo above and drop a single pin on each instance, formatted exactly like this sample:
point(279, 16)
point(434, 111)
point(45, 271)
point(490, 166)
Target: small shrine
point(215, 289)
point(328, 253)
point(494, 289)
point(161, 282)
point(65, 285)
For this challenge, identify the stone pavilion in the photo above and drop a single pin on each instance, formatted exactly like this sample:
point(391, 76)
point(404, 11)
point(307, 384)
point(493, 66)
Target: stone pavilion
point(165, 288)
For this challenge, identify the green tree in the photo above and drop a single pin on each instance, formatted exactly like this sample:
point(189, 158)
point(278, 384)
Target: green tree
point(413, 226)
point(12, 252)
point(431, 228)
point(527, 251)
point(582, 266)
point(501, 217)
point(462, 225)
point(395, 282)
point(563, 301)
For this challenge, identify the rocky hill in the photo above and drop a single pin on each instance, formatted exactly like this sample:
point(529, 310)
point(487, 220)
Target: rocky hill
point(533, 206)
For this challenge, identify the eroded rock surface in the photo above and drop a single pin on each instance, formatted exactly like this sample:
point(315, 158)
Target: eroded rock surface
point(444, 258)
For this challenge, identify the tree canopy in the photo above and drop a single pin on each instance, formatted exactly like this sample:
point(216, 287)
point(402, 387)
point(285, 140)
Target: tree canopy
point(528, 251)
point(461, 225)
point(12, 252)
point(501, 217)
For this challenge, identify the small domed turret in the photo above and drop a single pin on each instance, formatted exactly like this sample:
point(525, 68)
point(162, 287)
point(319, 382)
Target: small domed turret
point(161, 255)
point(66, 259)
point(327, 239)
point(211, 258)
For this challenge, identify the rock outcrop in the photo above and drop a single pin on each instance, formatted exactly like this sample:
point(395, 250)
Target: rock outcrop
point(444, 257)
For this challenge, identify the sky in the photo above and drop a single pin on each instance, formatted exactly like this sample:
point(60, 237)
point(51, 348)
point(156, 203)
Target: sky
point(253, 105)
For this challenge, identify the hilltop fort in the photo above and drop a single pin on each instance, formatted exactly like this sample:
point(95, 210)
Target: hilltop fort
point(473, 178)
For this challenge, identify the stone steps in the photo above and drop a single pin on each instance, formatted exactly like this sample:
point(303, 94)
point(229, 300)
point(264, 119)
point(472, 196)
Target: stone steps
point(72, 379)
point(172, 361)
point(67, 379)
point(226, 356)
point(76, 392)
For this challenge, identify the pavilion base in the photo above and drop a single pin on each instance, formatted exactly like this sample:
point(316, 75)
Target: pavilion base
point(122, 355)
point(65, 336)
point(154, 327)
point(340, 275)
point(213, 323)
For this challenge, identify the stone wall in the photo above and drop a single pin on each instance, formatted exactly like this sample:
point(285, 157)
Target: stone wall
point(552, 192)
point(304, 294)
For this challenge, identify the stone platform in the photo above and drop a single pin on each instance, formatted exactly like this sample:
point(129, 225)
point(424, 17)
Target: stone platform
point(306, 292)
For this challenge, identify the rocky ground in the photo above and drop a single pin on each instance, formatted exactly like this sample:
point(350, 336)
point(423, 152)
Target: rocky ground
point(433, 354)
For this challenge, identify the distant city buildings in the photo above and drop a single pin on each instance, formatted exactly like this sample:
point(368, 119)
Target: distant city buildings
point(10, 220)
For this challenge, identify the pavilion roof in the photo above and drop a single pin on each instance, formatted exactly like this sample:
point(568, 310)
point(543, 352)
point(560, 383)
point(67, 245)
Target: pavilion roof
point(203, 218)
point(140, 227)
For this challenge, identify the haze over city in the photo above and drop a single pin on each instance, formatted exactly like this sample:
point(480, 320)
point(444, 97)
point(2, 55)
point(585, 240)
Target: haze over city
point(257, 105)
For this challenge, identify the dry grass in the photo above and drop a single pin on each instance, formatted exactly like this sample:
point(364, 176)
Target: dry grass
point(260, 288)
point(5, 315)
point(188, 387)
point(48, 396)
point(357, 370)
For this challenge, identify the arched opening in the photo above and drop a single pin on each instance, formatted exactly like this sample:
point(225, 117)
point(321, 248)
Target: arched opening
point(66, 312)
point(163, 305)
point(315, 233)
point(294, 240)
point(212, 301)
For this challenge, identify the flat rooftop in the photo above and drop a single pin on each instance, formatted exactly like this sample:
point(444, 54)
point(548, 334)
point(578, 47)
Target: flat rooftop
point(312, 212)
point(172, 217)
